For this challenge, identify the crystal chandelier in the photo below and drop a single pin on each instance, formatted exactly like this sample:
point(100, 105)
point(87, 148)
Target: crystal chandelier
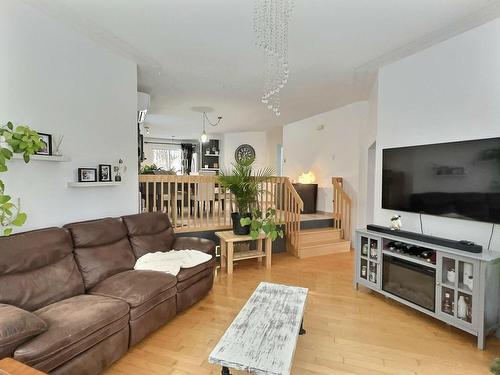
point(271, 28)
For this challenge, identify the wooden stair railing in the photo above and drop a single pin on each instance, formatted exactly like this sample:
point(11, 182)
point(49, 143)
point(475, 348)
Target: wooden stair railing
point(293, 207)
point(342, 206)
point(198, 203)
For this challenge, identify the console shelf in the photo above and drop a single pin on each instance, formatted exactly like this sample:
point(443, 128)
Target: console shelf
point(461, 288)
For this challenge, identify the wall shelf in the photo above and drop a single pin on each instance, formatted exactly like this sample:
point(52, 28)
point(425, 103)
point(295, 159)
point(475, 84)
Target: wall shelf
point(51, 158)
point(92, 184)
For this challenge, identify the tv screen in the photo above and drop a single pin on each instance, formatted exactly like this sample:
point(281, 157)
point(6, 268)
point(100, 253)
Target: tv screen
point(458, 179)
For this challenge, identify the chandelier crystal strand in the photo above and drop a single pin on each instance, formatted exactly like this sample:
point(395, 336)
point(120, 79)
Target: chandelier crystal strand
point(271, 18)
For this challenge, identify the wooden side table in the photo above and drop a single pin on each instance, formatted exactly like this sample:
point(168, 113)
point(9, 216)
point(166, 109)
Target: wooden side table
point(227, 256)
point(10, 366)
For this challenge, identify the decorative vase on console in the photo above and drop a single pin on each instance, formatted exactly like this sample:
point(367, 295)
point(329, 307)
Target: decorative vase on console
point(450, 275)
point(363, 271)
point(364, 249)
point(396, 222)
point(447, 304)
point(462, 308)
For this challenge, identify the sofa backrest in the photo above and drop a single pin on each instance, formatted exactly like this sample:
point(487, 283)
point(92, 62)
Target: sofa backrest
point(149, 232)
point(37, 268)
point(102, 249)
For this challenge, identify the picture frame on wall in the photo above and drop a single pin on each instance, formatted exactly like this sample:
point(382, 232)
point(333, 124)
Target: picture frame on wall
point(87, 174)
point(105, 173)
point(47, 139)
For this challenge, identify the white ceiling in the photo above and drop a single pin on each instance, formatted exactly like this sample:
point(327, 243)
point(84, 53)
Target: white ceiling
point(202, 53)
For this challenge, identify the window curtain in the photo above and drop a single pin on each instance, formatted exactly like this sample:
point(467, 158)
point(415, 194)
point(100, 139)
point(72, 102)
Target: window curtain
point(187, 157)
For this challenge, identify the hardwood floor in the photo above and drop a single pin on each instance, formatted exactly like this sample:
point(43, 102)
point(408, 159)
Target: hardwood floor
point(348, 331)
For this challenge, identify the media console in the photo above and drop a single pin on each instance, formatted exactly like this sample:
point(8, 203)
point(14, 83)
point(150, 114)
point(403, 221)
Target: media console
point(457, 287)
point(459, 245)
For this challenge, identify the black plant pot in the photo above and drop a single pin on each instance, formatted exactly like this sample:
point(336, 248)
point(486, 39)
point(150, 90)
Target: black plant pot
point(237, 228)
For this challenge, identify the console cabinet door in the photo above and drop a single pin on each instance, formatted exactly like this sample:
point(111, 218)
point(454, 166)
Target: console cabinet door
point(368, 260)
point(457, 280)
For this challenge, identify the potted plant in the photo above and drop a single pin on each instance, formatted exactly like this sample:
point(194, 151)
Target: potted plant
point(495, 366)
point(154, 169)
point(245, 184)
point(19, 140)
point(266, 224)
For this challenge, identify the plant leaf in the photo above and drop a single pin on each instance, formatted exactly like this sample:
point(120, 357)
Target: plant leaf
point(20, 219)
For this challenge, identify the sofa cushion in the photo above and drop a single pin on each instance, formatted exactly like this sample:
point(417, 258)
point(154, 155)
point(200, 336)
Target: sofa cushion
point(16, 327)
point(102, 249)
point(187, 273)
point(137, 288)
point(149, 232)
point(194, 243)
point(75, 324)
point(186, 283)
point(37, 268)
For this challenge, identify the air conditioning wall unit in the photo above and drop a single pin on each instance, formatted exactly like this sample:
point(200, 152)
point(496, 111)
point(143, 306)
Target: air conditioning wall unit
point(143, 101)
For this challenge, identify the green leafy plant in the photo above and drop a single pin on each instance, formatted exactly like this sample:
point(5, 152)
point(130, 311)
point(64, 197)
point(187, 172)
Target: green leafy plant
point(154, 169)
point(15, 140)
point(245, 183)
point(495, 366)
point(260, 223)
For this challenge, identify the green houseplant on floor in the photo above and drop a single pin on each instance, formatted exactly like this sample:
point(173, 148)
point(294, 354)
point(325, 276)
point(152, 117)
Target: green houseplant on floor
point(245, 183)
point(14, 140)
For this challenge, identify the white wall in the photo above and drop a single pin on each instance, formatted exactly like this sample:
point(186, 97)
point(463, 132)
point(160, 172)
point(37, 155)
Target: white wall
point(367, 137)
point(333, 151)
point(448, 92)
point(56, 81)
point(274, 138)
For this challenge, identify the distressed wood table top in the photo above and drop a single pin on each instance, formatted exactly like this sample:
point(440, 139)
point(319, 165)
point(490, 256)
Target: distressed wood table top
point(262, 338)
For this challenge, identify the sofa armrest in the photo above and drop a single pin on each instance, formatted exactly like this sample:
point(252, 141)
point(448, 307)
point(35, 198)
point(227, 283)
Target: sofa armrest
point(16, 327)
point(194, 243)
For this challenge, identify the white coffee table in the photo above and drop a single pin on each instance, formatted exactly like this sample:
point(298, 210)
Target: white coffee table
point(262, 338)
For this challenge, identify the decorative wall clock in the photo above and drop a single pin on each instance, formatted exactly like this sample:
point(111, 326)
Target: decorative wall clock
point(244, 151)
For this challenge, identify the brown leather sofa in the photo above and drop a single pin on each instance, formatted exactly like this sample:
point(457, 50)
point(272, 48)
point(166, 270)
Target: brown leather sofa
point(70, 300)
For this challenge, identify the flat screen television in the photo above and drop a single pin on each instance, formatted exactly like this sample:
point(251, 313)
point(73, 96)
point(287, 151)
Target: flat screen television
point(457, 179)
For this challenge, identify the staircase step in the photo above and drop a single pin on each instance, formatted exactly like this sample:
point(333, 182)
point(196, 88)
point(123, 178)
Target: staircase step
point(317, 223)
point(319, 236)
point(339, 246)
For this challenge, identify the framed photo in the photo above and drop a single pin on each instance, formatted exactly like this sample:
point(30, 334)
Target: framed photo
point(47, 139)
point(104, 172)
point(87, 174)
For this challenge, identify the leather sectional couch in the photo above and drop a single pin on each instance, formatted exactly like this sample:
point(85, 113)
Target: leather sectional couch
point(70, 300)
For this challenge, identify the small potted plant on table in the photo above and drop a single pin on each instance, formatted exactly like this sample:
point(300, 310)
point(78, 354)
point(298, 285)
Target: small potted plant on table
point(245, 184)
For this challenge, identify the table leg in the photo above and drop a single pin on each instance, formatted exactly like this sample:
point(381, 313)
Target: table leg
point(225, 371)
point(259, 248)
point(269, 250)
point(302, 331)
point(223, 254)
point(230, 253)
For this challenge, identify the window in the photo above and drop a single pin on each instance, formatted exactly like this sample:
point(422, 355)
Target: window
point(168, 159)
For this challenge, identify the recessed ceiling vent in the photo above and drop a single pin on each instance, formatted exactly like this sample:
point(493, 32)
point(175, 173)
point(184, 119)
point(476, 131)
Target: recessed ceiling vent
point(143, 101)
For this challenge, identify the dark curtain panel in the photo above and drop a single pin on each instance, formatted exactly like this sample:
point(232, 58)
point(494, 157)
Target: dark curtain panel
point(187, 156)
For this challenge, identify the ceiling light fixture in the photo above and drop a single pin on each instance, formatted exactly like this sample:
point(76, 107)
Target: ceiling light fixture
point(271, 29)
point(204, 136)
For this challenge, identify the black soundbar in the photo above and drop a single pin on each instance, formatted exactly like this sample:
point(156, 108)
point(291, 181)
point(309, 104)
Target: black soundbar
point(470, 247)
